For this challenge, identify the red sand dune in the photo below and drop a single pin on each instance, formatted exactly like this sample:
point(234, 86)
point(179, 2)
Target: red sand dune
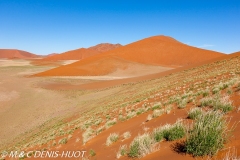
point(104, 47)
point(81, 53)
point(157, 50)
point(71, 55)
point(13, 53)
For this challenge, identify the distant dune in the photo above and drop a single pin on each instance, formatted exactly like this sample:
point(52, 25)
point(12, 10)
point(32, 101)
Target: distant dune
point(71, 55)
point(158, 50)
point(13, 53)
point(81, 53)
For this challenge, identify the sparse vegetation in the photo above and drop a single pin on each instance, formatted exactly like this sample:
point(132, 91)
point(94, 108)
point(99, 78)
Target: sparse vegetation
point(62, 141)
point(92, 152)
point(110, 123)
point(157, 113)
point(168, 109)
point(194, 113)
point(87, 135)
point(156, 106)
point(100, 129)
point(126, 135)
point(121, 118)
point(142, 145)
point(182, 103)
point(217, 102)
point(97, 122)
point(131, 114)
point(113, 137)
point(149, 117)
point(122, 151)
point(169, 132)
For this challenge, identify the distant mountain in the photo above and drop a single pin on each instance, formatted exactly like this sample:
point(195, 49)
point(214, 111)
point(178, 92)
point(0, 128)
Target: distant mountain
point(14, 53)
point(104, 47)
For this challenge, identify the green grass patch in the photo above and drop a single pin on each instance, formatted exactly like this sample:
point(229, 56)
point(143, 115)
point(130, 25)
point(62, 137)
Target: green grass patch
point(207, 135)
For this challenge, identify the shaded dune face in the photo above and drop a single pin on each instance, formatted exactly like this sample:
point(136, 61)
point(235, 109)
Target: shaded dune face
point(13, 53)
point(157, 50)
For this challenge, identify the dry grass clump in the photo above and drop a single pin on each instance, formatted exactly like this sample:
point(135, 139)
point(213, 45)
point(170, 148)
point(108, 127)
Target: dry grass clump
point(218, 102)
point(122, 151)
point(121, 118)
point(147, 143)
point(87, 135)
point(140, 110)
point(169, 132)
point(157, 112)
point(100, 129)
point(92, 152)
point(113, 137)
point(157, 106)
point(194, 113)
point(126, 135)
point(205, 92)
point(168, 109)
point(142, 145)
point(131, 114)
point(63, 141)
point(149, 117)
point(207, 135)
point(98, 121)
point(110, 123)
point(231, 155)
point(182, 103)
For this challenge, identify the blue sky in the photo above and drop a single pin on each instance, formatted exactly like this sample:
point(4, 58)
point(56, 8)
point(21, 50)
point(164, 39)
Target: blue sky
point(55, 26)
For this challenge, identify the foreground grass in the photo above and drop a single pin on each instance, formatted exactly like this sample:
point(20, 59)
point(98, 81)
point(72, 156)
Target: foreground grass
point(142, 145)
point(169, 132)
point(147, 143)
point(208, 134)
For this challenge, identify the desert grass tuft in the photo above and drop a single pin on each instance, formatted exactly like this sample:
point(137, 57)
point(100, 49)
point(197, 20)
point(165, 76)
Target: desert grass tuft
point(142, 145)
point(169, 132)
point(110, 123)
point(122, 151)
point(126, 135)
point(194, 113)
point(113, 137)
point(87, 135)
point(207, 135)
point(157, 113)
